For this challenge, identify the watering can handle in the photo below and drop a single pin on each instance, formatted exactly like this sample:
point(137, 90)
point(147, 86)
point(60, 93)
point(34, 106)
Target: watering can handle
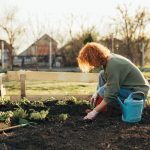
point(137, 92)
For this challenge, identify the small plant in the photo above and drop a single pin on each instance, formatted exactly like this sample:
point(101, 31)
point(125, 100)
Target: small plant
point(24, 101)
point(84, 102)
point(4, 101)
point(63, 117)
point(6, 116)
point(39, 115)
point(74, 100)
point(38, 103)
point(61, 102)
point(20, 113)
point(51, 99)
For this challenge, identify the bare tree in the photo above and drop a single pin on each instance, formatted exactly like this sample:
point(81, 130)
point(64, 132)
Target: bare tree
point(35, 28)
point(77, 37)
point(13, 30)
point(132, 28)
point(71, 49)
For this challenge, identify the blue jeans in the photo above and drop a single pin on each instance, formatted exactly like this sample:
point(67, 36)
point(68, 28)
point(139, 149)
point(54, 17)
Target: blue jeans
point(122, 94)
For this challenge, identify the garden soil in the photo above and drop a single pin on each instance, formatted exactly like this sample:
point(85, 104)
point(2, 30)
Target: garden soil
point(106, 132)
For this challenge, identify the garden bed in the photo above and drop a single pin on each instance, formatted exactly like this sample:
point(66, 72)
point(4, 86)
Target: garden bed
point(63, 128)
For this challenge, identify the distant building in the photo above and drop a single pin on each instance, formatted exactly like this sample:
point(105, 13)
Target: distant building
point(41, 53)
point(4, 54)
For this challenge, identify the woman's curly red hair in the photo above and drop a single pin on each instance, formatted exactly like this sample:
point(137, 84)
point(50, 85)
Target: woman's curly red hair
point(92, 55)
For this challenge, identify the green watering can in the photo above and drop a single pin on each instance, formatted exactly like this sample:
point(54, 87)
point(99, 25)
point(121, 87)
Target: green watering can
point(132, 107)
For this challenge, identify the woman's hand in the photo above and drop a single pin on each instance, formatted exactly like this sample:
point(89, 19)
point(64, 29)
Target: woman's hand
point(91, 115)
point(94, 98)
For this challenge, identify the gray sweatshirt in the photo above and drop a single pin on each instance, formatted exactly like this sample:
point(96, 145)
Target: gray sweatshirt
point(121, 72)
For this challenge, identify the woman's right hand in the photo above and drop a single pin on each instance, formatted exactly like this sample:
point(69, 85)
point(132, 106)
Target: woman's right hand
point(91, 115)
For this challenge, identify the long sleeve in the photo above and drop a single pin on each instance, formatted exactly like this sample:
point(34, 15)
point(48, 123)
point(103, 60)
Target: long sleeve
point(121, 72)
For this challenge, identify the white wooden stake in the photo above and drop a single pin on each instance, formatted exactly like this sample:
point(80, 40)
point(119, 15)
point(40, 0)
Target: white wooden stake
point(22, 83)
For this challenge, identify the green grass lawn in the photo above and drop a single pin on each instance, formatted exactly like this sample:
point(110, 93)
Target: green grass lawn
point(50, 88)
point(53, 88)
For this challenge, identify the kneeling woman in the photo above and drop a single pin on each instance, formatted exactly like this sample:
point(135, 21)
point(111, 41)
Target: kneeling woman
point(119, 78)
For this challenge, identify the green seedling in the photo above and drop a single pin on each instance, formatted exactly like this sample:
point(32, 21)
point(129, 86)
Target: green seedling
point(61, 103)
point(20, 113)
point(39, 115)
point(74, 100)
point(24, 101)
point(4, 101)
point(5, 115)
point(38, 103)
point(51, 99)
point(83, 102)
point(63, 117)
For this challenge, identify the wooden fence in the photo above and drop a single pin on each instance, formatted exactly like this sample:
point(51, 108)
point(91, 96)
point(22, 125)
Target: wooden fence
point(23, 76)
